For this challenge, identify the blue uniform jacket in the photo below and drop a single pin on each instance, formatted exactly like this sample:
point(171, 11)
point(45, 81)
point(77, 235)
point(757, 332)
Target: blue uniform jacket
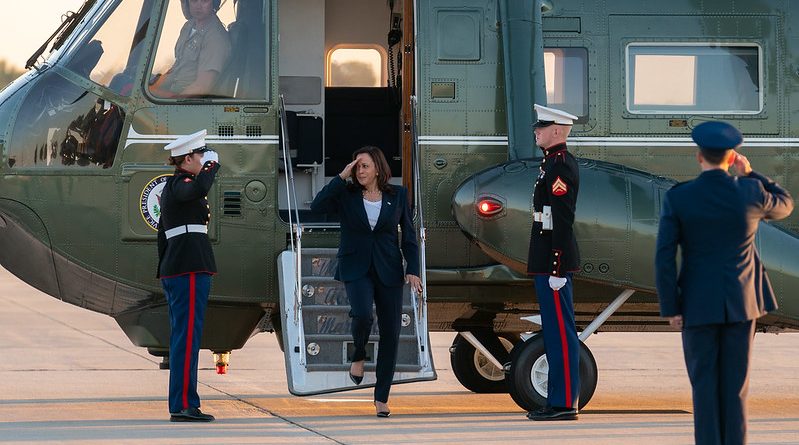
point(360, 246)
point(714, 219)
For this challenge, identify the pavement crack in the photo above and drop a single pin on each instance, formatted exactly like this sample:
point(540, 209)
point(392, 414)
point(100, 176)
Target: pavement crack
point(274, 414)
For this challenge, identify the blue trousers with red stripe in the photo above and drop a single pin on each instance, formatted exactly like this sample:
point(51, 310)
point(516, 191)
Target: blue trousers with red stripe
point(561, 342)
point(187, 296)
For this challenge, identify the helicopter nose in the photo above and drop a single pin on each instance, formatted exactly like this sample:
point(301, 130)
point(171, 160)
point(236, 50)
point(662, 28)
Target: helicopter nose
point(463, 206)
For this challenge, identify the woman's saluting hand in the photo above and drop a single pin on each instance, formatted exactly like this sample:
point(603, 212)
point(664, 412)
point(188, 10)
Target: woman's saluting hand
point(347, 172)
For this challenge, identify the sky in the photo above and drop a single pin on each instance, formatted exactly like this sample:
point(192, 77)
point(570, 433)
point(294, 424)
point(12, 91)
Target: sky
point(26, 24)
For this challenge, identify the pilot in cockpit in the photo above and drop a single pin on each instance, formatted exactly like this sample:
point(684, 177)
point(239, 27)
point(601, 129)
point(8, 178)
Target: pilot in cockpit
point(201, 52)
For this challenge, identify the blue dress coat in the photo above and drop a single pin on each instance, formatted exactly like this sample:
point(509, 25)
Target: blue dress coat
point(361, 247)
point(714, 219)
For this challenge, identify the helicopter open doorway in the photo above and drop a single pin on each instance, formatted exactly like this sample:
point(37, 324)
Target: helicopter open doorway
point(340, 90)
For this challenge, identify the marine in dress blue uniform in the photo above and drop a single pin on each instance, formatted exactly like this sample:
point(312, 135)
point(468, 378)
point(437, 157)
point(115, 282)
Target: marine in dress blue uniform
point(552, 258)
point(185, 266)
point(721, 287)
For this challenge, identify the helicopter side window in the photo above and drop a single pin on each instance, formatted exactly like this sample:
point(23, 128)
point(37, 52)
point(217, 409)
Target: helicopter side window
point(694, 78)
point(61, 125)
point(356, 67)
point(566, 71)
point(110, 56)
point(211, 49)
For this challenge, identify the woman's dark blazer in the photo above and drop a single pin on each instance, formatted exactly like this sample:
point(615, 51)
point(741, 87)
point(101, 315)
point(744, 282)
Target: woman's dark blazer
point(361, 246)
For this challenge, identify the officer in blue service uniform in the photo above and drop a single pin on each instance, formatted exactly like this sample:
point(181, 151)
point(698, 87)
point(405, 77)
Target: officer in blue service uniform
point(552, 258)
point(722, 287)
point(185, 265)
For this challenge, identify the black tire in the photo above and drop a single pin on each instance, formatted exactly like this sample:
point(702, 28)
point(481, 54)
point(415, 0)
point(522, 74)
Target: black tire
point(519, 380)
point(463, 357)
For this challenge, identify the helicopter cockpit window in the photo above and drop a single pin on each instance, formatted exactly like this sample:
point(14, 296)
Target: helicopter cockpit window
point(566, 71)
point(61, 125)
point(211, 49)
point(110, 56)
point(694, 78)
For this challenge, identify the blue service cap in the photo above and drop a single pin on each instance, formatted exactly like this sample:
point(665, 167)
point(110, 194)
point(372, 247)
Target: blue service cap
point(716, 135)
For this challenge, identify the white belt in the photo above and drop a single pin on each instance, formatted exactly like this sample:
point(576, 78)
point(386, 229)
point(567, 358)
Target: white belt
point(180, 230)
point(545, 218)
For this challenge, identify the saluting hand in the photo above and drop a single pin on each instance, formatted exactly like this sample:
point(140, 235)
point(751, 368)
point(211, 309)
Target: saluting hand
point(742, 165)
point(416, 283)
point(210, 155)
point(347, 172)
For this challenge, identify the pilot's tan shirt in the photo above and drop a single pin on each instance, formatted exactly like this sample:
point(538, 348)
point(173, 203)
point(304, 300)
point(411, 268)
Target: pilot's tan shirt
point(206, 49)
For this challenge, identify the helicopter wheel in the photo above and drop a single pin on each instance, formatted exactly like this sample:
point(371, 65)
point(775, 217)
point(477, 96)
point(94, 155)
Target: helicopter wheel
point(473, 370)
point(527, 375)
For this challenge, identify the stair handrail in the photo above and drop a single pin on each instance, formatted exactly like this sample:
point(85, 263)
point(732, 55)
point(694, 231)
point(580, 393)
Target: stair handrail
point(417, 205)
point(295, 226)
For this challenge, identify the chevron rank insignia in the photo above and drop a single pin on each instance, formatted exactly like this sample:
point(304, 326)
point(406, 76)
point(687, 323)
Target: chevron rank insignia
point(559, 188)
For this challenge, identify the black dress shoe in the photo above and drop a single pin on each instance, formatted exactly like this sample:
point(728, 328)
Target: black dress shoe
point(553, 413)
point(190, 415)
point(357, 379)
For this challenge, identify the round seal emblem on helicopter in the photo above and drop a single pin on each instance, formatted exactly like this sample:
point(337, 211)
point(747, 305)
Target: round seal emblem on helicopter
point(150, 201)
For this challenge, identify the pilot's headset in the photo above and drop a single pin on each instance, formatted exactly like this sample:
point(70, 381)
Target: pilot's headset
point(184, 5)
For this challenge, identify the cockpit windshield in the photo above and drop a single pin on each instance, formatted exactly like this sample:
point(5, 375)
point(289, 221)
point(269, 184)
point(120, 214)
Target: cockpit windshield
point(109, 53)
point(212, 49)
point(70, 22)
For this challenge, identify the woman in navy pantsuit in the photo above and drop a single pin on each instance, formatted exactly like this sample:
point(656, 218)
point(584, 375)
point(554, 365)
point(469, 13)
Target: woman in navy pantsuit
point(369, 258)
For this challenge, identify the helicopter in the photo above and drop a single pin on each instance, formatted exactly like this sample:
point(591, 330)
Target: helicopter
point(445, 88)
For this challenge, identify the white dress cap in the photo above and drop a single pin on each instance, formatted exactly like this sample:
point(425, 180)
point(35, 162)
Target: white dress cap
point(548, 116)
point(186, 144)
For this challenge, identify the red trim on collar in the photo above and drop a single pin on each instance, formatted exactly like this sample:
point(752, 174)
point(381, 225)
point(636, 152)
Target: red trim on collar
point(180, 170)
point(555, 150)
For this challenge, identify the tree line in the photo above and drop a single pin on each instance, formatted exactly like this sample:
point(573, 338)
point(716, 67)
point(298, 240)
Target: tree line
point(8, 73)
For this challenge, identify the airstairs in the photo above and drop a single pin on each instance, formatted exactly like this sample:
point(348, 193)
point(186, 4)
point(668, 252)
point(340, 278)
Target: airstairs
point(315, 319)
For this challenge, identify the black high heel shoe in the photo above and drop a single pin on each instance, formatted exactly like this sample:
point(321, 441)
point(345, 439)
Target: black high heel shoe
point(382, 413)
point(357, 379)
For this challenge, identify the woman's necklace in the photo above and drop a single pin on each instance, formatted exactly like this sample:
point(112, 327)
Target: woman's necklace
point(372, 195)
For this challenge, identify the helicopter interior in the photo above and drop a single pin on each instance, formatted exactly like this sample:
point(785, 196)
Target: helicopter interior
point(339, 77)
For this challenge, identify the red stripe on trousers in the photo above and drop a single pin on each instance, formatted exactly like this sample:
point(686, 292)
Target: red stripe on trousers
point(565, 347)
point(187, 364)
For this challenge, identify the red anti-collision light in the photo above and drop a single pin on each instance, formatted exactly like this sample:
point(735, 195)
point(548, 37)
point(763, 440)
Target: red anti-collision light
point(488, 207)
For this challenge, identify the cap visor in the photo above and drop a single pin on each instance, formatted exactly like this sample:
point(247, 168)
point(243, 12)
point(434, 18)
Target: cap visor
point(541, 124)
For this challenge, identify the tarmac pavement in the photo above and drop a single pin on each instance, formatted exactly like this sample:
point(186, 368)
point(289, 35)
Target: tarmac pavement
point(69, 375)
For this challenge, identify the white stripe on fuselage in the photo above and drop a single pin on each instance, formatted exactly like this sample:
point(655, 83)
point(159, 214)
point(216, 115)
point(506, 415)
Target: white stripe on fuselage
point(606, 141)
point(135, 137)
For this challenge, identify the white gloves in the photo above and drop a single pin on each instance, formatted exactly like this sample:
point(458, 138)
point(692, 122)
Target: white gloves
point(210, 155)
point(556, 282)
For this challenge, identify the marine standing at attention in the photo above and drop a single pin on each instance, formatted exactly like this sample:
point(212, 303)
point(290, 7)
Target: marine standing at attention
point(552, 258)
point(185, 265)
point(721, 287)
